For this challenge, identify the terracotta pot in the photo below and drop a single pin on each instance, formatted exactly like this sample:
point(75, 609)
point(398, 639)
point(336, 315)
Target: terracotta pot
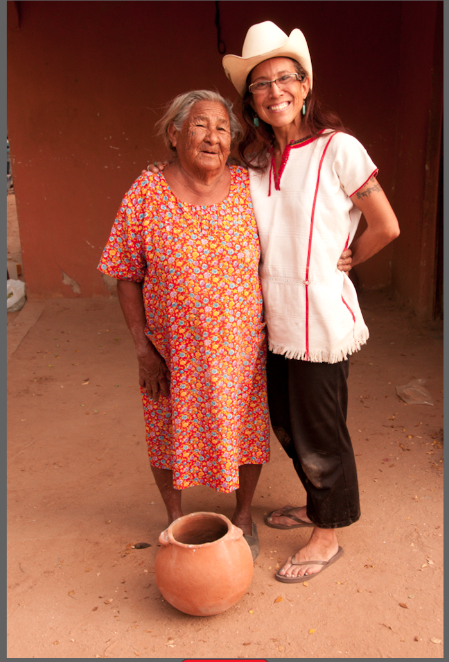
point(204, 565)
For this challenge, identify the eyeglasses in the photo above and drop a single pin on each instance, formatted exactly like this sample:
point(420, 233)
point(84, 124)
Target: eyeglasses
point(283, 81)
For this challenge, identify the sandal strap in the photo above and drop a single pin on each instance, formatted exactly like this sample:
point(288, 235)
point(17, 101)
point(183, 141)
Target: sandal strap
point(310, 562)
point(293, 517)
point(287, 512)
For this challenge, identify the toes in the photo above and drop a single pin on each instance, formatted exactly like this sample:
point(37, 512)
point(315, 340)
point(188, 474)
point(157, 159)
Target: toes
point(280, 512)
point(286, 567)
point(300, 570)
point(297, 571)
point(312, 570)
point(290, 570)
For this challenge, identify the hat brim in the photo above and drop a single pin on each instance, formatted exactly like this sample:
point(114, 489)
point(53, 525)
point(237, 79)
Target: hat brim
point(237, 68)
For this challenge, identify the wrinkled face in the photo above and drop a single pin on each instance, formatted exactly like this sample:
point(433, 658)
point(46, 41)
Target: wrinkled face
point(276, 106)
point(204, 141)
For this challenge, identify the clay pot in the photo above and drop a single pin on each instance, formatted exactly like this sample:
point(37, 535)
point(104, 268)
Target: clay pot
point(204, 565)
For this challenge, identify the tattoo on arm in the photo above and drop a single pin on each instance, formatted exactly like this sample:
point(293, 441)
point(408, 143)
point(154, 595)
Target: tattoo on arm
point(366, 191)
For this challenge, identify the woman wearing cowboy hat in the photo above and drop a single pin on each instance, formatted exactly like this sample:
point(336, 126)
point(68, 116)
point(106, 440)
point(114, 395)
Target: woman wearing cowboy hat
point(310, 182)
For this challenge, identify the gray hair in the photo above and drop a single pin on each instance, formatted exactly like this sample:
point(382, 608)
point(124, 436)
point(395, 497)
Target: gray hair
point(178, 110)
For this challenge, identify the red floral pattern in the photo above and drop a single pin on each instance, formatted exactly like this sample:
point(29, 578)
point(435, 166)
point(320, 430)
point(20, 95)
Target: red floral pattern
point(203, 302)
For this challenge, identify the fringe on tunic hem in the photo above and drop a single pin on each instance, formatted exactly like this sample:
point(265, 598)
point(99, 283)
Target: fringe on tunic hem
point(322, 355)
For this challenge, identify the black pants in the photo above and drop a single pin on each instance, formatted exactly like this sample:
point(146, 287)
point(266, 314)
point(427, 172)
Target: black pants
point(308, 407)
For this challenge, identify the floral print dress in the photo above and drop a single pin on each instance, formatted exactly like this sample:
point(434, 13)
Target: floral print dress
point(203, 305)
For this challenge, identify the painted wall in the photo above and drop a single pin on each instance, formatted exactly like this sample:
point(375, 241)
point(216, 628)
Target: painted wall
point(418, 155)
point(88, 80)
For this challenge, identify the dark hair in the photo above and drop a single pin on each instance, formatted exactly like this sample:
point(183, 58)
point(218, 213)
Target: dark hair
point(253, 148)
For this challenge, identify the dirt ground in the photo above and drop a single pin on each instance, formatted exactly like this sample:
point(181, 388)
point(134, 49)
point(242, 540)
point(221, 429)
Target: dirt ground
point(80, 493)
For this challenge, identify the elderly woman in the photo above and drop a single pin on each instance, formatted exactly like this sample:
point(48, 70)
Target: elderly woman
point(185, 250)
point(310, 181)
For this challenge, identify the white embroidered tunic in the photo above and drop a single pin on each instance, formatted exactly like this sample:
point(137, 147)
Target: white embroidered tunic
point(306, 218)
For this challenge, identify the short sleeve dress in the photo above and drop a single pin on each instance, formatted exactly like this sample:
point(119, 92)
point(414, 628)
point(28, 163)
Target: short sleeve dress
point(203, 306)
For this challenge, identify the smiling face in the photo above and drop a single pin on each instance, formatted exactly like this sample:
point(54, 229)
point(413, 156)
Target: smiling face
point(204, 141)
point(275, 106)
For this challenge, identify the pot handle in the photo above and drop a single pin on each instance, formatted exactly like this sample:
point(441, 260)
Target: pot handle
point(163, 538)
point(235, 532)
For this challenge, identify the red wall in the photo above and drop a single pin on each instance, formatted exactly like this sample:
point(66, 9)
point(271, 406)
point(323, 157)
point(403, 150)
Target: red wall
point(87, 81)
point(418, 140)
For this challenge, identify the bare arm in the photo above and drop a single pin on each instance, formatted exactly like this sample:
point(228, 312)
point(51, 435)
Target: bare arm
point(154, 375)
point(382, 223)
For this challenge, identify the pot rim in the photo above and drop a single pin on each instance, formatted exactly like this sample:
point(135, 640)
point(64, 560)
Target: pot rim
point(233, 532)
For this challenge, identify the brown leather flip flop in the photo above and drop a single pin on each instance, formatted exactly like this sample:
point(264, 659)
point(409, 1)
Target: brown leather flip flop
point(286, 512)
point(305, 578)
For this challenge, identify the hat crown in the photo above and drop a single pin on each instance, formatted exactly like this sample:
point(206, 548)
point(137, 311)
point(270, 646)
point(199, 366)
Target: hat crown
point(263, 38)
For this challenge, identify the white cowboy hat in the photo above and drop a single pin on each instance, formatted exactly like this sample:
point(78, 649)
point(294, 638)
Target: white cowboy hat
point(262, 42)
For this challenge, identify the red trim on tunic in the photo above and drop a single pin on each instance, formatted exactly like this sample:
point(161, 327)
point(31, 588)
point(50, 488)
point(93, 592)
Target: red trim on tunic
point(285, 155)
point(269, 176)
point(284, 160)
point(350, 309)
point(309, 250)
point(296, 144)
point(373, 174)
point(352, 314)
